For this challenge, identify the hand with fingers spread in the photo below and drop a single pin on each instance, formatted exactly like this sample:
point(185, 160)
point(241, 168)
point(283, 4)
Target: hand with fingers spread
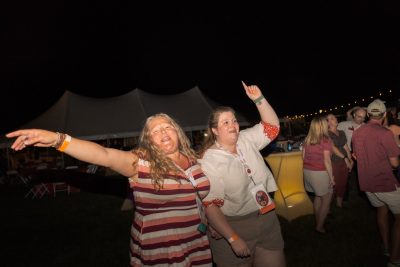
point(35, 137)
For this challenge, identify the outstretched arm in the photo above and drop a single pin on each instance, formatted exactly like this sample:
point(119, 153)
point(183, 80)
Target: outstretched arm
point(267, 113)
point(118, 160)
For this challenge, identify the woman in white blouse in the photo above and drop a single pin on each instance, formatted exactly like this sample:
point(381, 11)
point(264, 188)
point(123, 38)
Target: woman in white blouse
point(238, 205)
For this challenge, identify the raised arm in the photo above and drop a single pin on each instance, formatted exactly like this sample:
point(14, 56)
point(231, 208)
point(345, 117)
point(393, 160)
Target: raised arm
point(267, 113)
point(118, 160)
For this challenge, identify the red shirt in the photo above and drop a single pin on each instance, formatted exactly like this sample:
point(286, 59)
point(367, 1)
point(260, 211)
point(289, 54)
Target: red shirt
point(373, 145)
point(314, 155)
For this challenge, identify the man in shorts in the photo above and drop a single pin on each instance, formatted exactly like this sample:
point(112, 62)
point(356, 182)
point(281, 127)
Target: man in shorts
point(377, 155)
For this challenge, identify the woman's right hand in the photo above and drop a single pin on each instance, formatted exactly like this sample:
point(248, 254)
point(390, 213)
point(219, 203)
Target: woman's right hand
point(252, 91)
point(349, 163)
point(240, 248)
point(35, 137)
point(332, 183)
point(213, 233)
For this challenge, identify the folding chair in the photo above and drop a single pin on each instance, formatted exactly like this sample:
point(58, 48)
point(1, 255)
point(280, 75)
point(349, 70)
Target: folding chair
point(38, 190)
point(35, 190)
point(91, 168)
point(61, 187)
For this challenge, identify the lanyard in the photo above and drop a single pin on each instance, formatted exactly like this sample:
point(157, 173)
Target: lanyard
point(241, 158)
point(191, 179)
point(203, 225)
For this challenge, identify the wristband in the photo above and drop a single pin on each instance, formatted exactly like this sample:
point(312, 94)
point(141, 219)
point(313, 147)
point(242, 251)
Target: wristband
point(258, 99)
point(65, 143)
point(233, 238)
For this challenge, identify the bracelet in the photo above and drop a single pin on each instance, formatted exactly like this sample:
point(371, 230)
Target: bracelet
point(58, 140)
point(233, 238)
point(258, 99)
point(65, 143)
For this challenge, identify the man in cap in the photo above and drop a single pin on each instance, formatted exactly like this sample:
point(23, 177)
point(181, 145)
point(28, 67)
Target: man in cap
point(377, 155)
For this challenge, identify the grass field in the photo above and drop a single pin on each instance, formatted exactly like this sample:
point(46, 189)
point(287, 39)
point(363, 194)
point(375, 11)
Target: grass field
point(87, 229)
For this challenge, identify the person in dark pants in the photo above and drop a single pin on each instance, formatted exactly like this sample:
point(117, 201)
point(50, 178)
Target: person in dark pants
point(342, 162)
point(356, 119)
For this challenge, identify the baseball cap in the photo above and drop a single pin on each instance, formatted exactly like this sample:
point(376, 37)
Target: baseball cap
point(376, 107)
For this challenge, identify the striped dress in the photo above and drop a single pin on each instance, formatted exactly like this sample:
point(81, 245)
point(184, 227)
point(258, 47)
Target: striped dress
point(164, 229)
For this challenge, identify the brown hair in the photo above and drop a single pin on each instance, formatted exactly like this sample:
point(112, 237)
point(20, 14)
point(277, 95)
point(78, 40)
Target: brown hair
point(213, 123)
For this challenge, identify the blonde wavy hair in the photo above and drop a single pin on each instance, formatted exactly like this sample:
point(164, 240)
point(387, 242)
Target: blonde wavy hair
point(160, 164)
point(318, 131)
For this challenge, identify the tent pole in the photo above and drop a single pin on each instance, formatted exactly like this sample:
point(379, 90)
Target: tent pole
point(191, 138)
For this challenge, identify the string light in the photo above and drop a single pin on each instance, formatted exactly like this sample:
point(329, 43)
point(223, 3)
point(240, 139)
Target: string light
point(380, 94)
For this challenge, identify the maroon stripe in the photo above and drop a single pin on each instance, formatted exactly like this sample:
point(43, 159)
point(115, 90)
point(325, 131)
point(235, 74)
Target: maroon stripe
point(201, 262)
point(164, 226)
point(148, 212)
point(174, 259)
point(168, 243)
point(199, 175)
point(164, 191)
point(146, 175)
point(136, 226)
point(167, 226)
point(168, 204)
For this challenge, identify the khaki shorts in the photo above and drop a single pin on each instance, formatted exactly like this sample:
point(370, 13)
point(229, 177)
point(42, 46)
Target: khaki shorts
point(256, 230)
point(317, 182)
point(391, 199)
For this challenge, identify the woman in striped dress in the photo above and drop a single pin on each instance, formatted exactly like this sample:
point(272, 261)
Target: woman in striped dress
point(167, 185)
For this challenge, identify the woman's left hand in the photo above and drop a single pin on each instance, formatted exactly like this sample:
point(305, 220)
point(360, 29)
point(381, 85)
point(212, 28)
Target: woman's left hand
point(240, 248)
point(252, 91)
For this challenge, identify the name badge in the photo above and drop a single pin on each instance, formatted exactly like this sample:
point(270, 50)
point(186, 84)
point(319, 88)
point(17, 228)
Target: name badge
point(263, 200)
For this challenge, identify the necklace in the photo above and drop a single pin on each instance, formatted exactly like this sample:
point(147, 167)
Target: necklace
point(241, 158)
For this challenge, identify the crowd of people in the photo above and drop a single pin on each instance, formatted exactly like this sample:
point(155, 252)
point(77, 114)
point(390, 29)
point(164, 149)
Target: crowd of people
point(367, 151)
point(194, 208)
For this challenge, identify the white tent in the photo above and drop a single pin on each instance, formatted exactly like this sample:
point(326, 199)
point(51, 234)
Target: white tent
point(123, 116)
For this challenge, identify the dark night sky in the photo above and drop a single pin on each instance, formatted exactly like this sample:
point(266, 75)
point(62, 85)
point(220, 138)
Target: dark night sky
point(108, 48)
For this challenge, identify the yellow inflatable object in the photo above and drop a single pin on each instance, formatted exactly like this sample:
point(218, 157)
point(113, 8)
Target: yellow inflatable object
point(291, 198)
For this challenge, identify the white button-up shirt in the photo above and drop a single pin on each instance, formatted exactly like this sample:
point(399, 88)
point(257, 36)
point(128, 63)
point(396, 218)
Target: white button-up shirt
point(227, 174)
